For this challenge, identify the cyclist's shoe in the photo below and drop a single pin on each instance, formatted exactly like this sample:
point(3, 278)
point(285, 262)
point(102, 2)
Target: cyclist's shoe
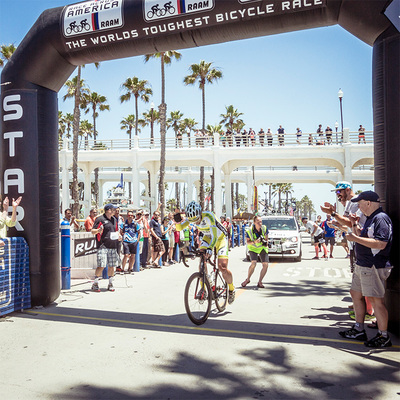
point(95, 287)
point(110, 287)
point(378, 341)
point(354, 334)
point(201, 294)
point(231, 297)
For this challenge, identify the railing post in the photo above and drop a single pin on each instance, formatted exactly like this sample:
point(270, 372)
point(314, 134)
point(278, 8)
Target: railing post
point(346, 135)
point(136, 142)
point(216, 139)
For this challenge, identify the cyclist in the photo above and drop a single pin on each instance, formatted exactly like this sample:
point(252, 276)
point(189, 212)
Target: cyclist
point(168, 5)
point(214, 235)
point(155, 8)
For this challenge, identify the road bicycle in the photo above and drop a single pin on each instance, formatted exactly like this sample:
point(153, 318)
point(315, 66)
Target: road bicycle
point(202, 289)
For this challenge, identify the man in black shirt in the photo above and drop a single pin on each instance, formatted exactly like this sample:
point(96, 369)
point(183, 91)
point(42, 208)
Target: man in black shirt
point(373, 242)
point(158, 245)
point(108, 237)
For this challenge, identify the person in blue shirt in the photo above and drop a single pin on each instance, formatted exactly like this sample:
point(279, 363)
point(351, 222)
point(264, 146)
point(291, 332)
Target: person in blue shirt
point(329, 231)
point(131, 233)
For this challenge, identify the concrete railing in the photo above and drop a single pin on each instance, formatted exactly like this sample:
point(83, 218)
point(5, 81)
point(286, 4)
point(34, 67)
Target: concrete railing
point(307, 139)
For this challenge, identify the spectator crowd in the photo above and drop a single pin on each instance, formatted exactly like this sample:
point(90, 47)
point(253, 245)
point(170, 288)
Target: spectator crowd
point(251, 138)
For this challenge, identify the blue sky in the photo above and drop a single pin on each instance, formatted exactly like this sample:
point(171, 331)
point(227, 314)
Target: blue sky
point(290, 79)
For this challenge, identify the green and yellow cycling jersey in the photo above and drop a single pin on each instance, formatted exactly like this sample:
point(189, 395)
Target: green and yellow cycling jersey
point(214, 233)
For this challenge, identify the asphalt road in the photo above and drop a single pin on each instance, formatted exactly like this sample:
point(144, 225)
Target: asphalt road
point(280, 342)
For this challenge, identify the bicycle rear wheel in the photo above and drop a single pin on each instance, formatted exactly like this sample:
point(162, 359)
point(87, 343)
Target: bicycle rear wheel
point(221, 292)
point(198, 299)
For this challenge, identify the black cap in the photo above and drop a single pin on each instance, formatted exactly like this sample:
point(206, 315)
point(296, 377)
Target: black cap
point(368, 195)
point(109, 206)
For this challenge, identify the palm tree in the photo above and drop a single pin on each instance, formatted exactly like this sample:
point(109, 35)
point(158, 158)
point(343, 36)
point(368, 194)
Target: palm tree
point(5, 53)
point(203, 73)
point(175, 121)
point(86, 130)
point(139, 90)
point(307, 206)
point(287, 189)
point(61, 128)
point(166, 57)
point(148, 119)
point(94, 101)
point(75, 89)
point(128, 124)
point(187, 125)
point(69, 120)
point(231, 117)
point(277, 188)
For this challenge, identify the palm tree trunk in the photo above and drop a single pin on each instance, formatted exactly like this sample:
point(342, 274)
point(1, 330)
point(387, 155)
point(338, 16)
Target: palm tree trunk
point(136, 116)
point(163, 131)
point(201, 194)
point(96, 170)
point(75, 132)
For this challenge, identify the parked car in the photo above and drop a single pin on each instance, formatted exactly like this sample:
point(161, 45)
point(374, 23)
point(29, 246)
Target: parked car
point(284, 238)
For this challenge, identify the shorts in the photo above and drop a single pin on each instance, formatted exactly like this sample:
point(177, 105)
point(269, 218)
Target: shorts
point(171, 240)
point(263, 256)
point(129, 248)
point(158, 245)
point(319, 238)
point(370, 282)
point(107, 257)
point(330, 240)
point(221, 246)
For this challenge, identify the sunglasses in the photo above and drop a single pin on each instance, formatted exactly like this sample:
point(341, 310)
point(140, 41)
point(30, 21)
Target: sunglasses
point(339, 191)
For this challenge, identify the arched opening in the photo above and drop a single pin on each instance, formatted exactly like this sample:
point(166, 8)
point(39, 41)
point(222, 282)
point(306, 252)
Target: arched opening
point(63, 38)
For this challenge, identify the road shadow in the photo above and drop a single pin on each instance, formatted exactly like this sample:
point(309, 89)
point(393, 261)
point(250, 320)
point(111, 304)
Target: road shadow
point(216, 380)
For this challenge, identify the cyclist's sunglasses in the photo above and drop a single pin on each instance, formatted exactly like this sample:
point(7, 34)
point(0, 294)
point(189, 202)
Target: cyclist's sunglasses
point(339, 191)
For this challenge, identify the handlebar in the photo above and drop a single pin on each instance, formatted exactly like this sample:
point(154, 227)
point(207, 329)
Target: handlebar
point(193, 254)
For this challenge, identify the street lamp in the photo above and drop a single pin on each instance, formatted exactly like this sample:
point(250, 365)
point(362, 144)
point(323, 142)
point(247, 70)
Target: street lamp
point(340, 95)
point(151, 124)
point(336, 126)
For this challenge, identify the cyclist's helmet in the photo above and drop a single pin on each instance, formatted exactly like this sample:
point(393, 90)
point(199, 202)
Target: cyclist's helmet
point(193, 211)
point(342, 185)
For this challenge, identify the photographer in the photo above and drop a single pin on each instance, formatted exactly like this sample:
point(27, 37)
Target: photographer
point(257, 243)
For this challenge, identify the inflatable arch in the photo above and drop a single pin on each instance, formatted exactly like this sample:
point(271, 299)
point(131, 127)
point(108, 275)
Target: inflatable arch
point(93, 31)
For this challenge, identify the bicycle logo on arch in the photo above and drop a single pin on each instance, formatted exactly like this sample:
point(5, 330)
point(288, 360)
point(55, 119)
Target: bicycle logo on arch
point(159, 9)
point(78, 28)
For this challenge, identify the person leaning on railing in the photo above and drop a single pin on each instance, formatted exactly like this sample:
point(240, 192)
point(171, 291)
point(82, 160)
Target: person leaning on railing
point(5, 220)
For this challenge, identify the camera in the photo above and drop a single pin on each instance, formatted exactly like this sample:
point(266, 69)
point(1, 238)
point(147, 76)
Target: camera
point(264, 242)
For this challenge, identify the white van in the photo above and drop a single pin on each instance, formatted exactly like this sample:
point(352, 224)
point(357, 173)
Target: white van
point(284, 238)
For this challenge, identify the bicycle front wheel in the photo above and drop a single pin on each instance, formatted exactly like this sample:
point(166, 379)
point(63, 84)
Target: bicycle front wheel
point(198, 299)
point(221, 292)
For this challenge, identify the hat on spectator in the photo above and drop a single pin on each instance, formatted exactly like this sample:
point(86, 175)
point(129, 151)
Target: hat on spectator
point(109, 206)
point(368, 195)
point(342, 185)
